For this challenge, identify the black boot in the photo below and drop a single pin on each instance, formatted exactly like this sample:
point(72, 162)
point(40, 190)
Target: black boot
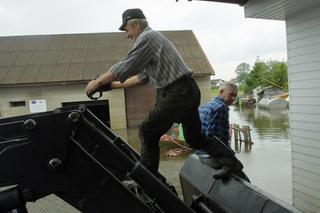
point(226, 156)
point(229, 166)
point(215, 148)
point(223, 173)
point(150, 160)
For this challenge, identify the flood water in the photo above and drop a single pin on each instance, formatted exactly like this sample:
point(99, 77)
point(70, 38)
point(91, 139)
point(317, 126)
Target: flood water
point(268, 165)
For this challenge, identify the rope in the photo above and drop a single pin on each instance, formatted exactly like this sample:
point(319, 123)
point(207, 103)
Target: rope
point(177, 151)
point(173, 140)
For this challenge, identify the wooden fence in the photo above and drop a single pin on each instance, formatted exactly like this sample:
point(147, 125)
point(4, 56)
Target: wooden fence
point(241, 135)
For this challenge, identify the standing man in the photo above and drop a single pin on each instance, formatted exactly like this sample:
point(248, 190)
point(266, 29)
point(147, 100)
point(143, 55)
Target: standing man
point(154, 58)
point(214, 115)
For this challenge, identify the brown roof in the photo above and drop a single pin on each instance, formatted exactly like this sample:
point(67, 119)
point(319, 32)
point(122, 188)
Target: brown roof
point(43, 59)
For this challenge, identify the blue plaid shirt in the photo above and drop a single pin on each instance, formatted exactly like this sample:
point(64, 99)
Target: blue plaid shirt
point(215, 119)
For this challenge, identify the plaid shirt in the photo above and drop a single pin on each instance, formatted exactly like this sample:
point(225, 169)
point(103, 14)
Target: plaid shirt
point(153, 57)
point(215, 119)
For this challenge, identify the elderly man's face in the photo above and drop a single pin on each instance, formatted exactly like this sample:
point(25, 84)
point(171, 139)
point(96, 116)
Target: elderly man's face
point(228, 95)
point(133, 31)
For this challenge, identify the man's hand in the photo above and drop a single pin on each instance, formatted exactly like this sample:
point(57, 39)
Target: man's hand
point(101, 83)
point(91, 88)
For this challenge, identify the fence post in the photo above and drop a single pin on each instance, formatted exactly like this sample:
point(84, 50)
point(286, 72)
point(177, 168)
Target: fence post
point(249, 138)
point(236, 145)
point(240, 139)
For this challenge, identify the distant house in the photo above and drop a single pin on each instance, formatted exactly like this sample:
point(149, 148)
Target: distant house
point(266, 92)
point(43, 72)
point(302, 19)
point(216, 82)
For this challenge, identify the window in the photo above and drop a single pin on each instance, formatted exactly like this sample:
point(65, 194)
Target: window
point(17, 103)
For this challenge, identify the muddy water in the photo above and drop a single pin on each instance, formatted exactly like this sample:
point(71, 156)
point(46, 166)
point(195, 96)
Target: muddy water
point(268, 165)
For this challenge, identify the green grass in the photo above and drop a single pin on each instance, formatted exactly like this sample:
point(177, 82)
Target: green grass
point(214, 92)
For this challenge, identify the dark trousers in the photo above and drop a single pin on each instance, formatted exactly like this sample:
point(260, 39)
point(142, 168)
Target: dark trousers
point(179, 103)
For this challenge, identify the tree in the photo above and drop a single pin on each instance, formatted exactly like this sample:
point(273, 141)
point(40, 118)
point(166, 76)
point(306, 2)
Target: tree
point(279, 74)
point(271, 73)
point(242, 71)
point(255, 76)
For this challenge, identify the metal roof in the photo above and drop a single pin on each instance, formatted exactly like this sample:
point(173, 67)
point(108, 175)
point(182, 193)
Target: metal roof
point(56, 59)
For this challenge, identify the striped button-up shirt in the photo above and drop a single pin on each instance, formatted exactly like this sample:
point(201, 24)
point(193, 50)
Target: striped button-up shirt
point(215, 119)
point(153, 57)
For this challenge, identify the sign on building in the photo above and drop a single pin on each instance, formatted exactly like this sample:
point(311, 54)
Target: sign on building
point(38, 105)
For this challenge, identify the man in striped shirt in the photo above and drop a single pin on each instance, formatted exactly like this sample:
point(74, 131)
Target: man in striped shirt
point(154, 58)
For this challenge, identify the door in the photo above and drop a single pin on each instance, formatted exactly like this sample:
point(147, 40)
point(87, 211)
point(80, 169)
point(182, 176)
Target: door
point(139, 101)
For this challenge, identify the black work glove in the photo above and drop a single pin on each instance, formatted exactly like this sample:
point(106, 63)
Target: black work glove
point(106, 87)
point(103, 88)
point(98, 92)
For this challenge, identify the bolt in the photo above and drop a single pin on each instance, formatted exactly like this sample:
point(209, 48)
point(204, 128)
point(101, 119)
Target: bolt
point(74, 117)
point(30, 124)
point(82, 107)
point(55, 163)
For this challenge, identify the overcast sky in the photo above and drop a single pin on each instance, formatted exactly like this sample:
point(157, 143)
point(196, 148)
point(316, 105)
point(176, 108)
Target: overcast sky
point(226, 36)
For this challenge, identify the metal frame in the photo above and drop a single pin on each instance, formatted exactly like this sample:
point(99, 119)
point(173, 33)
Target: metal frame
point(71, 153)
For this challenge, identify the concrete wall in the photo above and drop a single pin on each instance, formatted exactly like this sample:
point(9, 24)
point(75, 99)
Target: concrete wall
point(303, 40)
point(55, 95)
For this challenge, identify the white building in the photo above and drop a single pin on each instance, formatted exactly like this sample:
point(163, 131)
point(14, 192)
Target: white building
point(302, 19)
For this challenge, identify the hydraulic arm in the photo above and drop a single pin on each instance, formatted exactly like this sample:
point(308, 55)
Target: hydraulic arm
point(70, 153)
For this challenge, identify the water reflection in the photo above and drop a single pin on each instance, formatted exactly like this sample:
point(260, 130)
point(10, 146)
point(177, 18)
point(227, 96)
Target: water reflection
point(266, 125)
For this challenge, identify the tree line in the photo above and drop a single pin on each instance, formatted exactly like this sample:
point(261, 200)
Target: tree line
point(270, 73)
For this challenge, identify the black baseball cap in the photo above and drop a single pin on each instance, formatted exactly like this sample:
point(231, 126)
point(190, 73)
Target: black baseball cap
point(134, 13)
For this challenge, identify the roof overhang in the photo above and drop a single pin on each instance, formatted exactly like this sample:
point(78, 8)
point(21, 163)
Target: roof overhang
point(240, 2)
point(277, 9)
point(271, 9)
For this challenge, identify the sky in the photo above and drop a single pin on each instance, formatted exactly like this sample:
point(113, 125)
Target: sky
point(225, 35)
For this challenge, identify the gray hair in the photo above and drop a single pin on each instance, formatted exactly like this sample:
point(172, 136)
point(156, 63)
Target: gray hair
point(143, 23)
point(228, 85)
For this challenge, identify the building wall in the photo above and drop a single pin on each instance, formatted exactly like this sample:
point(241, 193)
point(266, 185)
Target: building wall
point(303, 41)
point(137, 112)
point(55, 95)
point(204, 84)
